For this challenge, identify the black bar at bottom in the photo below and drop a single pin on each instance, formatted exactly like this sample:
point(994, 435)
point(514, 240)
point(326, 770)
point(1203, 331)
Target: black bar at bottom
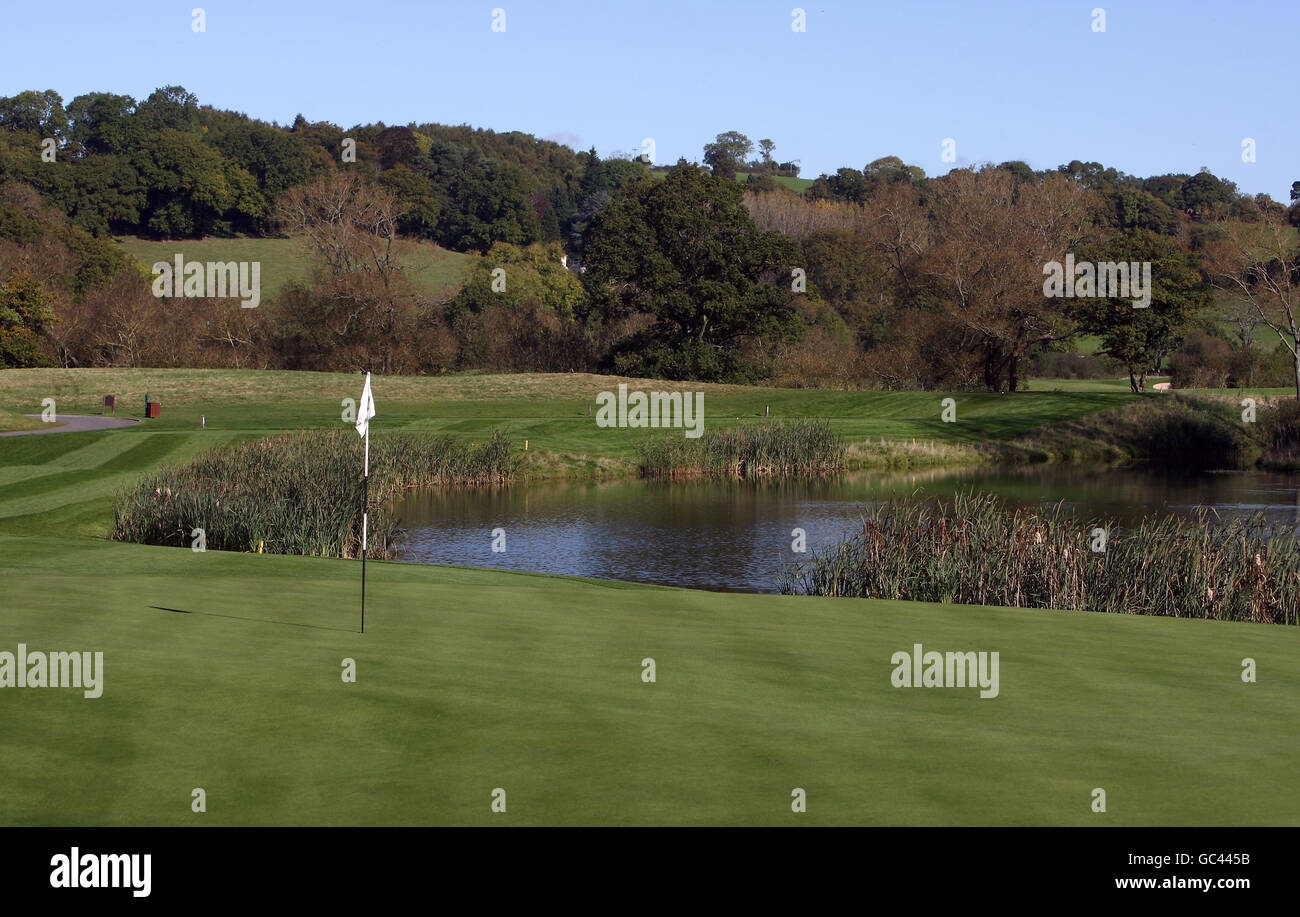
point(643, 866)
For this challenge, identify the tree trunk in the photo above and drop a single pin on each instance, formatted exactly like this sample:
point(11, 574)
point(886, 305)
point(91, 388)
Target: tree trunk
point(1013, 379)
point(1132, 381)
point(993, 363)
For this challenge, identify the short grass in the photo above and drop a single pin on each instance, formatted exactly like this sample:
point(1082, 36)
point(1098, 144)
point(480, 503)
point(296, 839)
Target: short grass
point(1114, 386)
point(223, 671)
point(437, 271)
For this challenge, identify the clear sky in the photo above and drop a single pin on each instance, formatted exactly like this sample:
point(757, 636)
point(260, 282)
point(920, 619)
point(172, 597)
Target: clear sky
point(1169, 86)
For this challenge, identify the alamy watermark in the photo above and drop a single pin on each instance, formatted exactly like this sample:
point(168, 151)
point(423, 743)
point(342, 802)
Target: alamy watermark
point(945, 670)
point(1102, 280)
point(53, 670)
point(102, 870)
point(655, 409)
point(202, 279)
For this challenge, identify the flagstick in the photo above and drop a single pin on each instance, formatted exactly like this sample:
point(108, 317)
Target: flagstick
point(365, 525)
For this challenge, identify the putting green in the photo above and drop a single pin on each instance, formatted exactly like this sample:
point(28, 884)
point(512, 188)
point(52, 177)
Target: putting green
point(224, 672)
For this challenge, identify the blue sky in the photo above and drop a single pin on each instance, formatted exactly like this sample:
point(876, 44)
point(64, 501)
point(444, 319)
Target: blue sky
point(1168, 87)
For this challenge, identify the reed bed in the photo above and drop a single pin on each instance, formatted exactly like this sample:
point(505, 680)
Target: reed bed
point(802, 448)
point(975, 550)
point(301, 493)
point(1280, 424)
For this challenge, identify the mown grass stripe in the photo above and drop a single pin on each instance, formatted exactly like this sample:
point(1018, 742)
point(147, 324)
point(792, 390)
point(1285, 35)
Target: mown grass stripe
point(26, 498)
point(57, 449)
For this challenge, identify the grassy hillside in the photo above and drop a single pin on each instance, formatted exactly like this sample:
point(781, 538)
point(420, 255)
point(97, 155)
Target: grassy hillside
point(437, 271)
point(799, 185)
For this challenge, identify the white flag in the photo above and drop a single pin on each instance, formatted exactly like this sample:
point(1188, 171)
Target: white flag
point(366, 410)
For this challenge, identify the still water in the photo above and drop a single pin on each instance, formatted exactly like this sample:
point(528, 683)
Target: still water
point(736, 536)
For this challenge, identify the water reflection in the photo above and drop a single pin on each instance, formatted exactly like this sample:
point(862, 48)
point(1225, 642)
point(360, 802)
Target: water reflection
point(736, 536)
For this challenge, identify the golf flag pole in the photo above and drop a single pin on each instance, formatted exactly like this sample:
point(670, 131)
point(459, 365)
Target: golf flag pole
point(365, 411)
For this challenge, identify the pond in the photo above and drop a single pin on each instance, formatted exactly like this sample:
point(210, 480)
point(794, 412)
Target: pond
point(736, 535)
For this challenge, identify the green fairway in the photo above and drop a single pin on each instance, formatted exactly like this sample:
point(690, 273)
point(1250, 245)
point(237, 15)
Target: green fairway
point(549, 409)
point(66, 482)
point(436, 271)
point(222, 671)
point(1120, 386)
point(472, 680)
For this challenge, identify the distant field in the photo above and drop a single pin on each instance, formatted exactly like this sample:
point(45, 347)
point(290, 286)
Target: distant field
point(1087, 343)
point(799, 185)
point(1264, 337)
point(437, 271)
point(794, 184)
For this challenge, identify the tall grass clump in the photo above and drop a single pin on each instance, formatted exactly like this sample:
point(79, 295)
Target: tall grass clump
point(1183, 430)
point(795, 449)
point(974, 550)
point(1280, 425)
point(300, 493)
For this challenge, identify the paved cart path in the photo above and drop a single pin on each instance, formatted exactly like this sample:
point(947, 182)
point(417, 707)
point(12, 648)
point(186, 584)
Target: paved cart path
point(77, 423)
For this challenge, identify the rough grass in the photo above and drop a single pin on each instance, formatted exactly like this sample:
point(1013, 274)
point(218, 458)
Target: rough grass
point(887, 453)
point(14, 420)
point(800, 448)
point(1184, 430)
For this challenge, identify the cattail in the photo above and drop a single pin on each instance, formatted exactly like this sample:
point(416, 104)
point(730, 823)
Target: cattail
point(1162, 566)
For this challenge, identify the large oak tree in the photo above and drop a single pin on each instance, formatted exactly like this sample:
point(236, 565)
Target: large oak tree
point(686, 252)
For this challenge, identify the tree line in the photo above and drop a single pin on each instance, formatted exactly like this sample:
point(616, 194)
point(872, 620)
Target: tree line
point(874, 277)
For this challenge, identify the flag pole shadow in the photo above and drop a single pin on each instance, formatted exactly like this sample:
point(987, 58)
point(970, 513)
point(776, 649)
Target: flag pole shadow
point(216, 614)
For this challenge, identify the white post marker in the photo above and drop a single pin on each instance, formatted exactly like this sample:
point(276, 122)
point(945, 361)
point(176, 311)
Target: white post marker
point(365, 411)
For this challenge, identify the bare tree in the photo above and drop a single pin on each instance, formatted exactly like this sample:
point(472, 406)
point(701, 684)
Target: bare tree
point(351, 226)
point(994, 235)
point(894, 223)
point(1258, 266)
